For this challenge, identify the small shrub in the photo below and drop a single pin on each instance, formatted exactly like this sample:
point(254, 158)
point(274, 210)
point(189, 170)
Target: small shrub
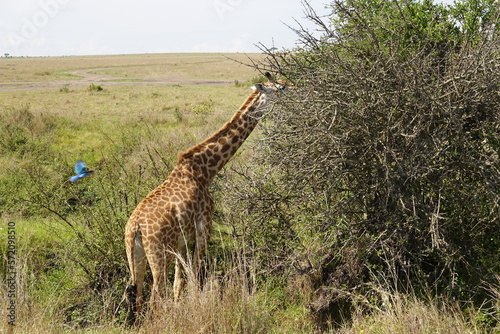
point(21, 130)
point(205, 107)
point(95, 88)
point(257, 79)
point(178, 115)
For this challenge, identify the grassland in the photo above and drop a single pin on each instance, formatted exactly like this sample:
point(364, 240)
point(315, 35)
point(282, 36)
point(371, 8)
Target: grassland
point(138, 67)
point(128, 117)
point(188, 84)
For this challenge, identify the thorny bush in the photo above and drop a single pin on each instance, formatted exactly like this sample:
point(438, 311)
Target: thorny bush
point(383, 164)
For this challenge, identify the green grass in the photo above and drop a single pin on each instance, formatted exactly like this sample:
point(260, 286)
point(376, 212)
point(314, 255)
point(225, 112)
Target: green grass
point(86, 120)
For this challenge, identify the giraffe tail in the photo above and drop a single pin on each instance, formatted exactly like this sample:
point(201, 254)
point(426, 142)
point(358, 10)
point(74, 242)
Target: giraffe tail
point(131, 293)
point(136, 255)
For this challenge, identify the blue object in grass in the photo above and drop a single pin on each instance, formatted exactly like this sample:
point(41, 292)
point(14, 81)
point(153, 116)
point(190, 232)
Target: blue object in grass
point(81, 171)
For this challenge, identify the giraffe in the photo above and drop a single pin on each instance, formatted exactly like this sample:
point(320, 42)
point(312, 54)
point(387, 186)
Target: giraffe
point(176, 216)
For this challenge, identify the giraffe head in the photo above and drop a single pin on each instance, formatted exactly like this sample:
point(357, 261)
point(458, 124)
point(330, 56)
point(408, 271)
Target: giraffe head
point(272, 88)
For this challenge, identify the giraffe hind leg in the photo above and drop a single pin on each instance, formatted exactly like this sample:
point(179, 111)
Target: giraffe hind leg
point(159, 262)
point(181, 261)
point(201, 245)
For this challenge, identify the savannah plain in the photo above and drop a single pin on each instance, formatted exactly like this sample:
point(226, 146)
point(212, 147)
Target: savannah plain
point(127, 117)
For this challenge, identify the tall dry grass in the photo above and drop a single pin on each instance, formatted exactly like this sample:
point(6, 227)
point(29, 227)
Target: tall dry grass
point(223, 306)
point(226, 303)
point(408, 314)
point(405, 312)
point(231, 303)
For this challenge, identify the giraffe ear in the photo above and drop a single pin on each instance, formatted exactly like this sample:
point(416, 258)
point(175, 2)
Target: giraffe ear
point(269, 77)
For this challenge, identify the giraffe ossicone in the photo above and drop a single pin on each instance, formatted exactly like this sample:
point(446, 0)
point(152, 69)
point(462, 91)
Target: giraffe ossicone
point(177, 214)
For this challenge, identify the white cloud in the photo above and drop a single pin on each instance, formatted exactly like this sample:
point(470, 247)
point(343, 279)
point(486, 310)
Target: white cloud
point(241, 43)
point(94, 45)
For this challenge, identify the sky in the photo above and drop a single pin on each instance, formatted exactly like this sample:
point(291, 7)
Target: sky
point(96, 27)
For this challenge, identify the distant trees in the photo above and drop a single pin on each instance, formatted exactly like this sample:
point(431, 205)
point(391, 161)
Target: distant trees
point(383, 165)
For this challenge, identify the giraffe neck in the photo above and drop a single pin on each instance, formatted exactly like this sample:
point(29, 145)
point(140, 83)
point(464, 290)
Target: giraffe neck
point(207, 158)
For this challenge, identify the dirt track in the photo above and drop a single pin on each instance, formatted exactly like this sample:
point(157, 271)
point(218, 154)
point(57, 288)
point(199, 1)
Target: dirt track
point(88, 76)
